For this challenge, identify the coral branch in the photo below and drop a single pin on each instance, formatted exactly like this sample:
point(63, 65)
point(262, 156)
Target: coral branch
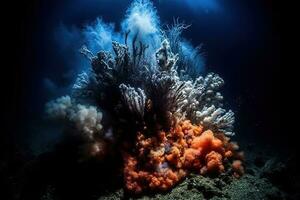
point(134, 99)
point(164, 56)
point(216, 119)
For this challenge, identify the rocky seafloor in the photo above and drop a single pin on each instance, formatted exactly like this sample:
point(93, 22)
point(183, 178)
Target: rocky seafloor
point(264, 179)
point(267, 177)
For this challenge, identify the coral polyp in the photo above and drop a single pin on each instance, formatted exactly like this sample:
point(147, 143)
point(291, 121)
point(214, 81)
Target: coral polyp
point(145, 99)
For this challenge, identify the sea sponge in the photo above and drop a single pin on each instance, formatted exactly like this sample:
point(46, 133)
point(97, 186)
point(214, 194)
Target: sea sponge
point(164, 159)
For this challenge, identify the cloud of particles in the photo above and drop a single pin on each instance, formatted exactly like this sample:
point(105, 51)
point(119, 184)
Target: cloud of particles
point(144, 98)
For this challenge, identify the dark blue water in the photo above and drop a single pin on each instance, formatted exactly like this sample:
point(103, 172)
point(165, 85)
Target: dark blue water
point(240, 41)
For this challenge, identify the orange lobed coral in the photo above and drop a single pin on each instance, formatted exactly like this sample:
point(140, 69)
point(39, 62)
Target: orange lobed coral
point(163, 160)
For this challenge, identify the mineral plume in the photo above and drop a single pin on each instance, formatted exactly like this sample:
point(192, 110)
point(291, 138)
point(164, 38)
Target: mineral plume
point(146, 99)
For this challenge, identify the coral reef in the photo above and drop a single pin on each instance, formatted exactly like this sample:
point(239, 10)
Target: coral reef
point(145, 100)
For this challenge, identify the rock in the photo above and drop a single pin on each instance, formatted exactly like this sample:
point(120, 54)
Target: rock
point(119, 194)
point(252, 188)
point(206, 186)
point(273, 170)
point(197, 187)
point(259, 161)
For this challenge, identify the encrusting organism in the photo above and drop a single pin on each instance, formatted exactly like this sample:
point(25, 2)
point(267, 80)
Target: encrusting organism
point(157, 111)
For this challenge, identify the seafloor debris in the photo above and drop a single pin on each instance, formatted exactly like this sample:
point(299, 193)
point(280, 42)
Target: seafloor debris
point(163, 117)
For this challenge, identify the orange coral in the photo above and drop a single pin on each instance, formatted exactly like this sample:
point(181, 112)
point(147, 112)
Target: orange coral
point(163, 160)
point(237, 168)
point(214, 163)
point(139, 180)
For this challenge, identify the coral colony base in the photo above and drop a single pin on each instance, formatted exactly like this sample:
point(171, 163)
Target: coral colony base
point(146, 101)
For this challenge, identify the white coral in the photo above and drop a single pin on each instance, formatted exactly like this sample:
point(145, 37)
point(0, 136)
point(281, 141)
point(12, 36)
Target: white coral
point(87, 120)
point(81, 81)
point(134, 98)
point(170, 95)
point(216, 118)
point(165, 57)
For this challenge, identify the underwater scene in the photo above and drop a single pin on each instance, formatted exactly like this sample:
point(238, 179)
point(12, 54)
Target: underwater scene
point(141, 99)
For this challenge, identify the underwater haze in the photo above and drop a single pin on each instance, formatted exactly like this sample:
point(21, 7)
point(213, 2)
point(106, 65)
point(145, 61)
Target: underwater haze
point(146, 99)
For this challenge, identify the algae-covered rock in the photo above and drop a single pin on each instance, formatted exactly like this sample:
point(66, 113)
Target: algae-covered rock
point(181, 191)
point(197, 187)
point(119, 194)
point(252, 187)
point(207, 186)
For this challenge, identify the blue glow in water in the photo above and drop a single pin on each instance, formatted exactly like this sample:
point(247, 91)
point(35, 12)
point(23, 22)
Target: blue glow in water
point(206, 5)
point(201, 6)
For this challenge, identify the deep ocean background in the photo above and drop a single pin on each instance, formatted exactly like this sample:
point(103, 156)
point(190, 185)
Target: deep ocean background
point(241, 41)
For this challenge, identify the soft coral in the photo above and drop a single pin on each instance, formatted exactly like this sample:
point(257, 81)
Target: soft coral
point(163, 160)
